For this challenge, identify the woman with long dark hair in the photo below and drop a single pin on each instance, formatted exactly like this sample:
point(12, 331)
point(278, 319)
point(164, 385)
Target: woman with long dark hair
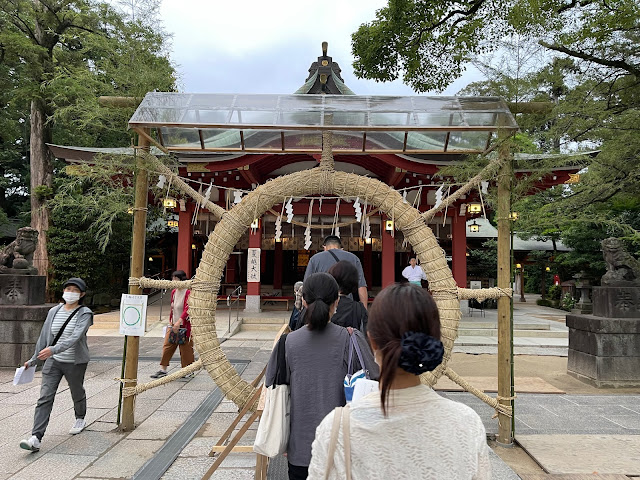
point(316, 357)
point(350, 311)
point(406, 430)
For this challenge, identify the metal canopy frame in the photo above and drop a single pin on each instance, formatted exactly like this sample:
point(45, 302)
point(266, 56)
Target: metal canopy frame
point(263, 123)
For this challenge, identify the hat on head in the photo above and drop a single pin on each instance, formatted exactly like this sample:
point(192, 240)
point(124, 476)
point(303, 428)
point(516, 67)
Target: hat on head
point(78, 282)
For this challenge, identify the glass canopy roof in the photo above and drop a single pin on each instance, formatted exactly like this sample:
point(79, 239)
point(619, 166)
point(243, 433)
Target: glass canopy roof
point(294, 123)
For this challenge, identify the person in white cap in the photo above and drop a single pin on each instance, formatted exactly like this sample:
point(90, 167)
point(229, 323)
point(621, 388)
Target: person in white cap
point(414, 273)
point(63, 348)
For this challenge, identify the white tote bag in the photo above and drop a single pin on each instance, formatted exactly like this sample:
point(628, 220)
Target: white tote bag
point(272, 436)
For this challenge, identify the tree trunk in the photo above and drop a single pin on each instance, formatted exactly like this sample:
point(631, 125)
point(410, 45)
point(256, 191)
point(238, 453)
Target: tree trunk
point(41, 176)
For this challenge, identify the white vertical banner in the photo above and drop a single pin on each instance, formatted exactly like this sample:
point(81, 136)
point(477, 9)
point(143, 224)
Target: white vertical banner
point(253, 265)
point(133, 314)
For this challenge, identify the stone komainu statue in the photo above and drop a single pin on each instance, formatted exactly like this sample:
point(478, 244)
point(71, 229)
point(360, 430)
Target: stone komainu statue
point(622, 268)
point(17, 257)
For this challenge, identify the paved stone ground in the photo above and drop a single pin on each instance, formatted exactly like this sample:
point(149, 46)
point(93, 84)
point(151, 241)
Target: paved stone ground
point(547, 425)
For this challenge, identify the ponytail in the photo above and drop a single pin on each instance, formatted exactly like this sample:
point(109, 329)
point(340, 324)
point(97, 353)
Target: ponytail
point(319, 291)
point(317, 315)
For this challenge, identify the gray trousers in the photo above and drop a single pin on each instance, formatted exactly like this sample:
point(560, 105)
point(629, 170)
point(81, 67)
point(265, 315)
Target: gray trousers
point(52, 373)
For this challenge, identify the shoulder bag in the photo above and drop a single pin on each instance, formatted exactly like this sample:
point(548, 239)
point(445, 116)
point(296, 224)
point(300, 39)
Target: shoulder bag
point(272, 437)
point(340, 415)
point(64, 325)
point(358, 384)
point(179, 338)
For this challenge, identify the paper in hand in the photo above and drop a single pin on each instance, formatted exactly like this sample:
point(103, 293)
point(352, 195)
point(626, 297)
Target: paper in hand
point(24, 375)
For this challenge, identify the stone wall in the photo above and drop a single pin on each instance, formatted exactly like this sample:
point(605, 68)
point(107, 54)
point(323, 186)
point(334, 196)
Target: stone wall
point(19, 330)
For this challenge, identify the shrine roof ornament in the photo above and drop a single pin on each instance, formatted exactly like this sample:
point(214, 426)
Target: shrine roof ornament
point(266, 123)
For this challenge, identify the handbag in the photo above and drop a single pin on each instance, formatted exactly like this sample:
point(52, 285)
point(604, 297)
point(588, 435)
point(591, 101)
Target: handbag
point(272, 437)
point(361, 376)
point(179, 338)
point(340, 415)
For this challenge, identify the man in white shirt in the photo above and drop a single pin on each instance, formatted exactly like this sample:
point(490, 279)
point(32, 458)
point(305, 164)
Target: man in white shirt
point(414, 273)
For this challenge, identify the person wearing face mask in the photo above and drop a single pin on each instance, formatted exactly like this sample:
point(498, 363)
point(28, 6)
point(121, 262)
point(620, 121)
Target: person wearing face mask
point(316, 357)
point(63, 348)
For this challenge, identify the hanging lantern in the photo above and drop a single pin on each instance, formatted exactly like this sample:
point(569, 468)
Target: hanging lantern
point(151, 259)
point(193, 246)
point(169, 202)
point(172, 223)
point(547, 269)
point(130, 210)
point(255, 224)
point(367, 240)
point(474, 227)
point(514, 216)
point(388, 225)
point(475, 207)
point(518, 266)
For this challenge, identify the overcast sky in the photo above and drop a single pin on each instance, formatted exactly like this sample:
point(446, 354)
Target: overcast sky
point(249, 46)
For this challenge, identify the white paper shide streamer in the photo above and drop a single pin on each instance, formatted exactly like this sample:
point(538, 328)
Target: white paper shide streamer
point(307, 231)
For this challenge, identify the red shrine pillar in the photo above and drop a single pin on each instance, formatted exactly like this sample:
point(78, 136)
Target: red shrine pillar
point(459, 249)
point(388, 255)
point(230, 275)
point(367, 266)
point(254, 259)
point(185, 239)
point(277, 266)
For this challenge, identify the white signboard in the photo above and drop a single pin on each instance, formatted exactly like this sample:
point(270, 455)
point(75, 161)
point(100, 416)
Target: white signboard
point(253, 265)
point(133, 314)
point(475, 284)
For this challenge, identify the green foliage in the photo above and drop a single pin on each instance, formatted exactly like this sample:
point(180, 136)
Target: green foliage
point(75, 251)
point(544, 302)
point(555, 292)
point(568, 302)
point(483, 262)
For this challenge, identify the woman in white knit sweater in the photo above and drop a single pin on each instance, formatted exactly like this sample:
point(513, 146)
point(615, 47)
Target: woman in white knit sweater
point(406, 431)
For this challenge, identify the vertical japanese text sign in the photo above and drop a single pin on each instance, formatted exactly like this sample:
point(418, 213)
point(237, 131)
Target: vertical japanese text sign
point(133, 314)
point(253, 265)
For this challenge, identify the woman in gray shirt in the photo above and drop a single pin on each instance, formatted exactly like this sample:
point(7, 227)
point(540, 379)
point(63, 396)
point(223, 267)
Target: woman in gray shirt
point(62, 346)
point(317, 364)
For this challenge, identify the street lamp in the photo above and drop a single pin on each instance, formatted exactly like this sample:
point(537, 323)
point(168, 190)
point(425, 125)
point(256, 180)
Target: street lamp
point(172, 223)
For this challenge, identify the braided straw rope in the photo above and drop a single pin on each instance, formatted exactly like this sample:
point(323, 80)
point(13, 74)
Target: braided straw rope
point(317, 181)
point(129, 391)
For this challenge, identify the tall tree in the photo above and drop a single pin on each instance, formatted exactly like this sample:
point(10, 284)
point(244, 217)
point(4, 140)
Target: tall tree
point(73, 51)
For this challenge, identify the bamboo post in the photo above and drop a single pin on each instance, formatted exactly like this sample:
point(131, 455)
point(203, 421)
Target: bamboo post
point(505, 437)
point(137, 271)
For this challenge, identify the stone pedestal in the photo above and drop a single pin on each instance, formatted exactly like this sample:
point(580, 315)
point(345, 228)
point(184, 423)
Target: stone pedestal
point(604, 352)
point(616, 302)
point(22, 289)
point(19, 330)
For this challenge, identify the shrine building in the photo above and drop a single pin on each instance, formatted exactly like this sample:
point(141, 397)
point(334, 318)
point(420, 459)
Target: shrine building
point(228, 144)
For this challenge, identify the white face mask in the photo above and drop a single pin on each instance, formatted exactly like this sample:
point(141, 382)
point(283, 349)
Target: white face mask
point(71, 297)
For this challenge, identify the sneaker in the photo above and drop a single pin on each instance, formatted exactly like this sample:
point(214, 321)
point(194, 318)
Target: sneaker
point(159, 374)
point(189, 376)
point(78, 426)
point(33, 444)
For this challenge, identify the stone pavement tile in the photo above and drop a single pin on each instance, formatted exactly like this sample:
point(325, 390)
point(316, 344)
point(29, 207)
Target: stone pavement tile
point(9, 387)
point(55, 467)
point(217, 424)
point(499, 469)
point(8, 410)
point(198, 447)
point(234, 474)
point(162, 392)
point(185, 401)
point(106, 399)
point(159, 425)
point(630, 401)
point(25, 397)
point(14, 458)
point(571, 424)
point(626, 421)
point(88, 443)
point(102, 426)
point(227, 407)
point(144, 408)
point(614, 454)
point(124, 459)
point(202, 381)
point(585, 410)
point(189, 468)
